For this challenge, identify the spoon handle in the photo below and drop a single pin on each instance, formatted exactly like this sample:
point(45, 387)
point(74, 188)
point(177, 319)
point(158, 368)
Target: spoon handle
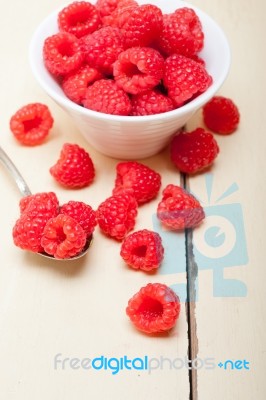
point(14, 172)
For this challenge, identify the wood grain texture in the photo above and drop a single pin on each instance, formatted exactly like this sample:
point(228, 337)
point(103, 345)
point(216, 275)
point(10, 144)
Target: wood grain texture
point(77, 309)
point(230, 311)
point(192, 276)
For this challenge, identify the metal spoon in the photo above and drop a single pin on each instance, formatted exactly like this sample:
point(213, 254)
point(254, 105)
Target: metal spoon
point(25, 191)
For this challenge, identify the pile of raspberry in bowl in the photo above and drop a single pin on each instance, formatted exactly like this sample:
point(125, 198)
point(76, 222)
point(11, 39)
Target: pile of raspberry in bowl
point(122, 58)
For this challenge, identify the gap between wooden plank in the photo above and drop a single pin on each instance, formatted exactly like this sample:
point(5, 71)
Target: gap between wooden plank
point(192, 274)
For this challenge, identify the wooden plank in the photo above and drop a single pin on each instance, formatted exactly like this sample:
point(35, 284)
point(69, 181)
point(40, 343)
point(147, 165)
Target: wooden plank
point(230, 309)
point(77, 310)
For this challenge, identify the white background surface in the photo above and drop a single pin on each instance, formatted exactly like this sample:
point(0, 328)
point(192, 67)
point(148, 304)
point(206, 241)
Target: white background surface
point(78, 309)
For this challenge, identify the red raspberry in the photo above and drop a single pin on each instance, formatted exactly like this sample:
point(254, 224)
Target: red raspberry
point(44, 202)
point(31, 124)
point(36, 211)
point(74, 169)
point(143, 25)
point(221, 115)
point(193, 151)
point(79, 18)
point(185, 78)
point(182, 33)
point(116, 215)
point(27, 233)
point(138, 69)
point(198, 59)
point(107, 7)
point(61, 53)
point(121, 14)
point(178, 209)
point(155, 308)
point(75, 84)
point(106, 97)
point(151, 102)
point(143, 250)
point(82, 213)
point(102, 48)
point(137, 180)
point(63, 237)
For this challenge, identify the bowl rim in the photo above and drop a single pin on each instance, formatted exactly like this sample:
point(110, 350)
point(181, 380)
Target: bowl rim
point(189, 107)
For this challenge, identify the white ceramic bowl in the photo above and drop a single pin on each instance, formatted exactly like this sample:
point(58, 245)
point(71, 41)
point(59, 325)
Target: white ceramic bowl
point(134, 137)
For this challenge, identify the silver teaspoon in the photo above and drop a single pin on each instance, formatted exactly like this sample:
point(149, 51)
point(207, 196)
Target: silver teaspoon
point(25, 191)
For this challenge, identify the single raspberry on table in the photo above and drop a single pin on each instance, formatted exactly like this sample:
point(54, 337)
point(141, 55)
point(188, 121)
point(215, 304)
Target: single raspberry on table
point(138, 180)
point(193, 151)
point(116, 215)
point(62, 54)
point(182, 33)
point(221, 115)
point(79, 18)
point(154, 309)
point(31, 124)
point(143, 250)
point(151, 102)
point(185, 78)
point(63, 237)
point(74, 168)
point(107, 97)
point(102, 48)
point(36, 211)
point(76, 83)
point(178, 209)
point(138, 69)
point(142, 26)
point(82, 213)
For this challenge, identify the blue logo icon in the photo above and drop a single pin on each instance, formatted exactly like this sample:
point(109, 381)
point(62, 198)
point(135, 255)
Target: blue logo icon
point(174, 256)
point(218, 243)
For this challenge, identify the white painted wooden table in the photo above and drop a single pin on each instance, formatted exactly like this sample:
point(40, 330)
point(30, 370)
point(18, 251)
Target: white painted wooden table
point(78, 310)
